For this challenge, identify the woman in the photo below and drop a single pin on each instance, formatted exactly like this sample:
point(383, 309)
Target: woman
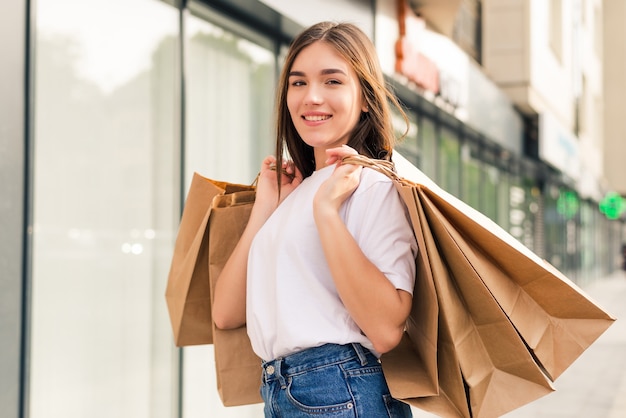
point(323, 274)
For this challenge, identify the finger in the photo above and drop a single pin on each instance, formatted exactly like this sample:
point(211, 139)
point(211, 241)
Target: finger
point(287, 171)
point(289, 168)
point(336, 154)
point(348, 169)
point(269, 162)
point(341, 151)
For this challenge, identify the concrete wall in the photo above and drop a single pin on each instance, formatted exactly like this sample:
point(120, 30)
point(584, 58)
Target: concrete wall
point(615, 95)
point(518, 56)
point(591, 105)
point(554, 66)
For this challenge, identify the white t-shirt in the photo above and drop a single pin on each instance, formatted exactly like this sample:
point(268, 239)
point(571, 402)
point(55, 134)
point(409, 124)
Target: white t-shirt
point(292, 302)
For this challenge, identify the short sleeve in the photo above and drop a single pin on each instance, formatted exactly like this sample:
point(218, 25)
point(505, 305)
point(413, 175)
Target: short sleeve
point(377, 218)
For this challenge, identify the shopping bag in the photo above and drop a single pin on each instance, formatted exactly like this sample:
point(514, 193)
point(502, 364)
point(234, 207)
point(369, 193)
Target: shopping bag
point(508, 322)
point(214, 216)
point(413, 363)
point(187, 293)
point(493, 359)
point(465, 348)
point(238, 368)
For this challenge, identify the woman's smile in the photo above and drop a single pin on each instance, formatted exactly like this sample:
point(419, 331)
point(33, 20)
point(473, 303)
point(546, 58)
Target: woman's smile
point(313, 117)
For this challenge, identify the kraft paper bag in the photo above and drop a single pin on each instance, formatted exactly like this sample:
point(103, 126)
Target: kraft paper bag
point(556, 319)
point(213, 219)
point(238, 368)
point(508, 322)
point(476, 340)
point(494, 361)
point(413, 363)
point(187, 293)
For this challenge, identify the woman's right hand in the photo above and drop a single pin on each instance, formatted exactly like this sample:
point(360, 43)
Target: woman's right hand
point(267, 197)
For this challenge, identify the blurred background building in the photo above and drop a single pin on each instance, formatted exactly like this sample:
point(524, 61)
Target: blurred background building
point(109, 106)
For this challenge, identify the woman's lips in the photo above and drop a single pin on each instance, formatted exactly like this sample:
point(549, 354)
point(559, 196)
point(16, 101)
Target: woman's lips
point(316, 118)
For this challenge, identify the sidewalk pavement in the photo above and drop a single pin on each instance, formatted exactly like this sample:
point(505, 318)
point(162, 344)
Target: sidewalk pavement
point(594, 386)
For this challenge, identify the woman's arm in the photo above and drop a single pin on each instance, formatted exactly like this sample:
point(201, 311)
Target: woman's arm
point(229, 303)
point(377, 307)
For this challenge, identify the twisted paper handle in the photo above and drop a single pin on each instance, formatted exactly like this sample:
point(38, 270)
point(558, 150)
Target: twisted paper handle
point(382, 166)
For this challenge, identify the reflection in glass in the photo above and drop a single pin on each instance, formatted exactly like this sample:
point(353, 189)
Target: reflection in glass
point(449, 162)
point(407, 145)
point(428, 142)
point(472, 176)
point(230, 102)
point(105, 205)
point(229, 107)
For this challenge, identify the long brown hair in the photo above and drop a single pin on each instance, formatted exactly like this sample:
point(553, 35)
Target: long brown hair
point(373, 134)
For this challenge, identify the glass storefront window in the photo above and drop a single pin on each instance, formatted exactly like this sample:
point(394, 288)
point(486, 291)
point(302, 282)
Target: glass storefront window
point(552, 222)
point(105, 203)
point(483, 184)
point(428, 142)
point(561, 209)
point(449, 162)
point(407, 146)
point(492, 180)
point(502, 200)
point(518, 214)
point(471, 176)
point(489, 198)
point(534, 206)
point(230, 87)
point(229, 99)
point(588, 244)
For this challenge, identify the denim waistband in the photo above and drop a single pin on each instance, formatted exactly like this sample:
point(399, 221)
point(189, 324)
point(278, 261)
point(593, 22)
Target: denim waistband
point(314, 357)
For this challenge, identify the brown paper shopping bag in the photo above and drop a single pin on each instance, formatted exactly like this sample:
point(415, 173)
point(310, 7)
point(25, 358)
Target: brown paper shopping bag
point(413, 364)
point(468, 359)
point(557, 321)
point(214, 216)
point(238, 368)
point(507, 320)
point(499, 372)
point(187, 293)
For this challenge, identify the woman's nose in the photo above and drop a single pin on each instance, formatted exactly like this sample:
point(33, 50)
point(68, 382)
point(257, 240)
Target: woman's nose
point(313, 95)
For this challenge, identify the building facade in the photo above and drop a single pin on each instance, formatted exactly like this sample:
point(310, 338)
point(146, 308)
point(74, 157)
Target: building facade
point(547, 57)
point(614, 68)
point(109, 107)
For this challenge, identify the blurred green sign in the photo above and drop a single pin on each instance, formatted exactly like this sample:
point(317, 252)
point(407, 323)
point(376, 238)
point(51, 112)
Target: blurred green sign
point(613, 205)
point(567, 204)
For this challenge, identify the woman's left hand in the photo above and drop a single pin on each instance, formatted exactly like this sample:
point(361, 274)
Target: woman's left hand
point(342, 182)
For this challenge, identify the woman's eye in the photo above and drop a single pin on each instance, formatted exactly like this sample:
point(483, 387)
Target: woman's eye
point(333, 81)
point(297, 83)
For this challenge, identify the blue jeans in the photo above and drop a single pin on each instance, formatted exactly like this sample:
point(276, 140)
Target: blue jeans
point(333, 380)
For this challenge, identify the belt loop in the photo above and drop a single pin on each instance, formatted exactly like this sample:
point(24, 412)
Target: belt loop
point(264, 366)
point(358, 348)
point(279, 372)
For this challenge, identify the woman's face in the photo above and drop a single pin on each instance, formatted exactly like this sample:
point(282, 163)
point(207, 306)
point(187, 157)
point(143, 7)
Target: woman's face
point(323, 97)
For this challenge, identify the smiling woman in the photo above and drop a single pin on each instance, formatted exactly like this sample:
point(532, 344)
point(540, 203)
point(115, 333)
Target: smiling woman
point(323, 274)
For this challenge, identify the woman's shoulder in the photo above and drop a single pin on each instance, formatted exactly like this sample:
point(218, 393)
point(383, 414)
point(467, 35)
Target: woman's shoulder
point(374, 181)
point(371, 176)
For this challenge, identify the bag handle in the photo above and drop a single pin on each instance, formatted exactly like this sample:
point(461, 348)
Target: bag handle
point(382, 166)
